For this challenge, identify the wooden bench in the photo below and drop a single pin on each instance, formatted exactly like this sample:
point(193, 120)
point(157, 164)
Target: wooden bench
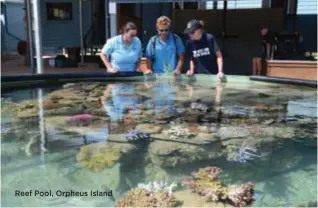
point(292, 69)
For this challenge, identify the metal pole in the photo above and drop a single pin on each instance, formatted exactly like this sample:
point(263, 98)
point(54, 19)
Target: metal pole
point(41, 127)
point(107, 27)
point(37, 36)
point(30, 34)
point(81, 29)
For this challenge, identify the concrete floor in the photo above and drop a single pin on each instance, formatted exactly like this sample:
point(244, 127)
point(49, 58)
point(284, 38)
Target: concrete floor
point(15, 65)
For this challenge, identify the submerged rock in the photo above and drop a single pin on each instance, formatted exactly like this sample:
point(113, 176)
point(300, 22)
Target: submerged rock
point(165, 152)
point(142, 198)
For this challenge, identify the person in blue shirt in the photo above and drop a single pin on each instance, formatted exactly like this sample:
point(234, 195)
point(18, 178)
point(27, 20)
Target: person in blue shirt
point(123, 52)
point(165, 51)
point(203, 51)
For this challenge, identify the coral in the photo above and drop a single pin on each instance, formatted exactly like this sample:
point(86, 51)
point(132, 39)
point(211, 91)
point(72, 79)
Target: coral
point(80, 120)
point(140, 197)
point(198, 105)
point(96, 158)
point(244, 154)
point(136, 134)
point(242, 195)
point(205, 182)
point(178, 131)
point(155, 186)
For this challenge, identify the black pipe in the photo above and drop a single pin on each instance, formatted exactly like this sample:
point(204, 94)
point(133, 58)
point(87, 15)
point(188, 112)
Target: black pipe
point(300, 82)
point(48, 77)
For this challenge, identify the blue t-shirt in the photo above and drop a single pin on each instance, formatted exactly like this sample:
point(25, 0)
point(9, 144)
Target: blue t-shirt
point(165, 54)
point(203, 54)
point(123, 57)
point(123, 98)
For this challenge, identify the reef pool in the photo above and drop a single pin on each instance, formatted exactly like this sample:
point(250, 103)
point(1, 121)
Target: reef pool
point(92, 143)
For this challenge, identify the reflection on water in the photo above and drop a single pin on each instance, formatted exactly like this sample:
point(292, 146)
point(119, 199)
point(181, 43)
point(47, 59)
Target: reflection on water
point(78, 138)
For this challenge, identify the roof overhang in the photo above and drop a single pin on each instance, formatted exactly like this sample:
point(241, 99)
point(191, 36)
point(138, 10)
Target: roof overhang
point(156, 1)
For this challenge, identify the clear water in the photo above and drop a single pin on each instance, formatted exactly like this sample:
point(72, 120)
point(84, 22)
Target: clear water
point(278, 120)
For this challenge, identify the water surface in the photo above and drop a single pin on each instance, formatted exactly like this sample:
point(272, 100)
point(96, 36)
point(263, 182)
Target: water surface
point(42, 151)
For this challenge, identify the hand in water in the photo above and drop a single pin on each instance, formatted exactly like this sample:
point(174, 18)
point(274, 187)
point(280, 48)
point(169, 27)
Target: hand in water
point(176, 72)
point(189, 72)
point(148, 71)
point(112, 70)
point(220, 75)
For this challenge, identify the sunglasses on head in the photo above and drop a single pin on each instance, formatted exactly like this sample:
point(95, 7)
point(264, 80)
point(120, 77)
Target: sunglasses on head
point(164, 30)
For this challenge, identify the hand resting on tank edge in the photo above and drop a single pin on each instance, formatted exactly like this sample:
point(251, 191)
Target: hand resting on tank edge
point(112, 70)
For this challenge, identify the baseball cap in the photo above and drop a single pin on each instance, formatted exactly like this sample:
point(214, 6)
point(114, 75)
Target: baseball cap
point(192, 26)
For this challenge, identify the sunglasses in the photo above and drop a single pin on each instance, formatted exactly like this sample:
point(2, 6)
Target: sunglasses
point(164, 30)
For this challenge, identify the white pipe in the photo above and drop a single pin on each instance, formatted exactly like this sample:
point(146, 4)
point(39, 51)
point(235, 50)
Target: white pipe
point(81, 29)
point(42, 127)
point(37, 36)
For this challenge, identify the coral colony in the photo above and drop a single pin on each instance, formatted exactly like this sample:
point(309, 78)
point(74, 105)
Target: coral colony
point(244, 154)
point(136, 134)
point(153, 194)
point(80, 120)
point(155, 186)
point(205, 183)
point(198, 105)
point(177, 131)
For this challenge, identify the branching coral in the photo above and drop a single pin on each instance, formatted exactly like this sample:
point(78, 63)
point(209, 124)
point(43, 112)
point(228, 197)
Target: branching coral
point(140, 197)
point(135, 135)
point(178, 131)
point(241, 196)
point(96, 158)
point(205, 182)
point(155, 186)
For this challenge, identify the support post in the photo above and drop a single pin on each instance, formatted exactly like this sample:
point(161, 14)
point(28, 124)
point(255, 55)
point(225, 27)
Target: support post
point(42, 131)
point(29, 35)
point(107, 27)
point(81, 29)
point(38, 36)
point(113, 18)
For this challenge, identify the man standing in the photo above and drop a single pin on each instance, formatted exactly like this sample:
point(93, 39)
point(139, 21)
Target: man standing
point(203, 51)
point(269, 44)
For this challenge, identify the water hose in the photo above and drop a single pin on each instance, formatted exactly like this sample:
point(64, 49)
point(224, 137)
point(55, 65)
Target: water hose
point(6, 25)
point(22, 45)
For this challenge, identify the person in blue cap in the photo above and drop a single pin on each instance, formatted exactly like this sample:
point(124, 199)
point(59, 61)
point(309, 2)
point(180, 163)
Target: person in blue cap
point(203, 51)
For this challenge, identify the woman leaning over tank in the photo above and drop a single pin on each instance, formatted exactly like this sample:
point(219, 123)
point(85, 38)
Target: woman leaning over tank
point(122, 53)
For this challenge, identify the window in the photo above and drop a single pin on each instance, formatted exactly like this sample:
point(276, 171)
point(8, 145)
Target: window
point(59, 11)
point(307, 7)
point(237, 4)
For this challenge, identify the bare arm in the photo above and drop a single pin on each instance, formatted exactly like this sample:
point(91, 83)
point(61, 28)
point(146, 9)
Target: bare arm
point(191, 66)
point(219, 58)
point(138, 66)
point(105, 61)
point(180, 63)
point(149, 63)
point(268, 50)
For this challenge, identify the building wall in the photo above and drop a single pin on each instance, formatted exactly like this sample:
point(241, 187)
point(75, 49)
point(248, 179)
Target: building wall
point(150, 13)
point(58, 33)
point(306, 25)
point(15, 26)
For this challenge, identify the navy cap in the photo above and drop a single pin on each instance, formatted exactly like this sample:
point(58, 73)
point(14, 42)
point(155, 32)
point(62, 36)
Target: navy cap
point(192, 26)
